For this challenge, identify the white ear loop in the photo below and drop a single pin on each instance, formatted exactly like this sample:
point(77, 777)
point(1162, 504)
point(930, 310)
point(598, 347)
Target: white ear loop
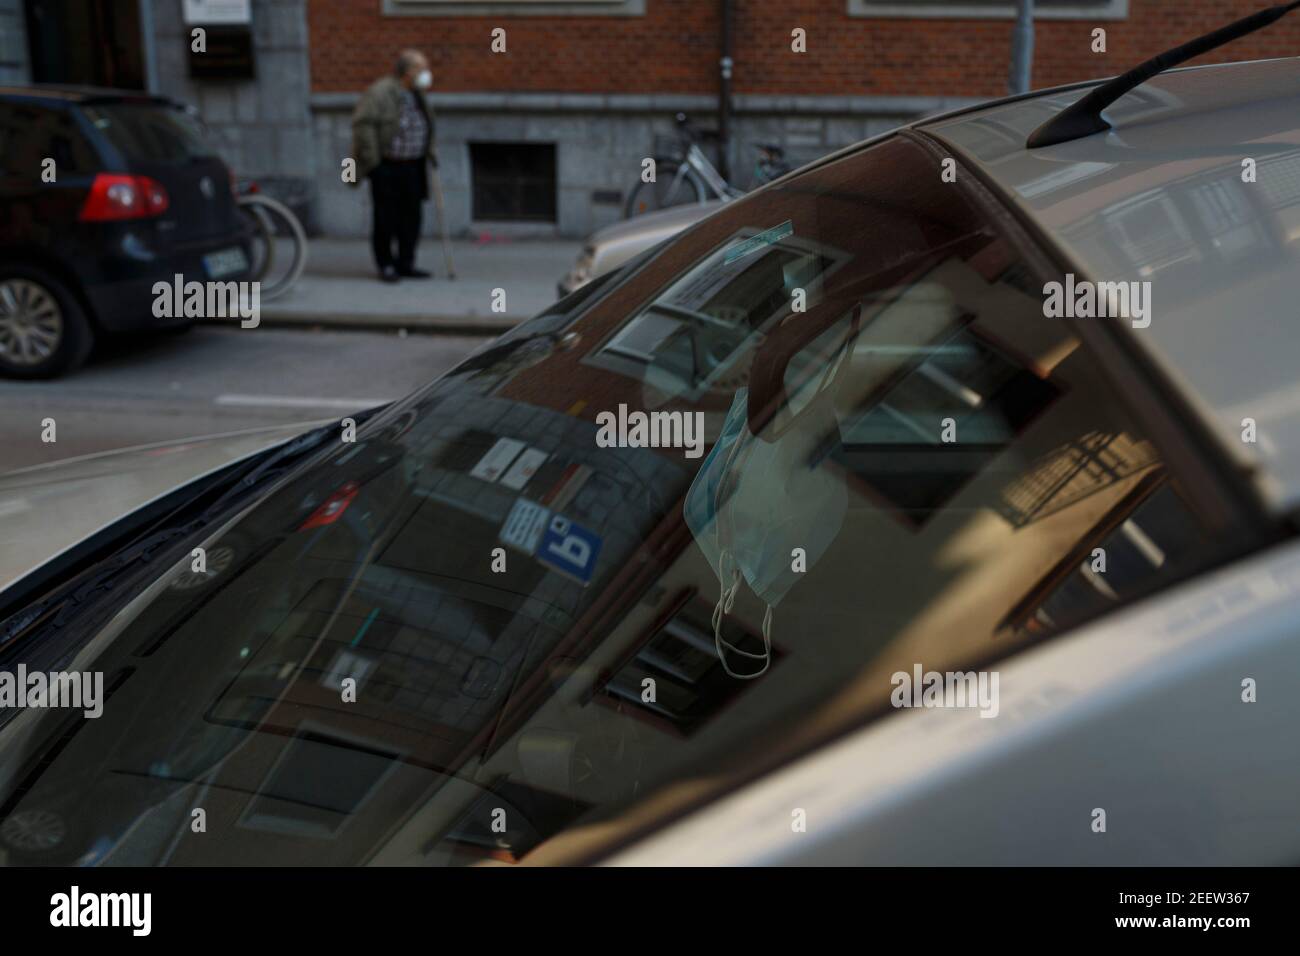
point(725, 600)
point(727, 596)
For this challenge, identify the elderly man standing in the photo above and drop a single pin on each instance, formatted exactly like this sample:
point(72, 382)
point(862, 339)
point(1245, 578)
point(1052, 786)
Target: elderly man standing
point(392, 141)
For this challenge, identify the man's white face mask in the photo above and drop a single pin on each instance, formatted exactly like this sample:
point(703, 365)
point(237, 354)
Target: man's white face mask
point(423, 80)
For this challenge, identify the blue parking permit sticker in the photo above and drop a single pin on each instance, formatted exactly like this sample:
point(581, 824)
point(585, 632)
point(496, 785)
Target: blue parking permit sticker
point(570, 549)
point(754, 243)
point(524, 525)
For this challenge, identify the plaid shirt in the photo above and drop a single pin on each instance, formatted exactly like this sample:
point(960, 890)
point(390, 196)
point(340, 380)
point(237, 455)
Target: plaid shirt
point(412, 139)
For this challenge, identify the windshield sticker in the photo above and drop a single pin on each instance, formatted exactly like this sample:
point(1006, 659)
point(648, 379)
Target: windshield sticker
point(569, 549)
point(525, 466)
point(768, 237)
point(524, 525)
point(347, 663)
point(492, 465)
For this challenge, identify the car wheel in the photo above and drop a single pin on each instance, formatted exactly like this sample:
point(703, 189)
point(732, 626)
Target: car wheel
point(43, 329)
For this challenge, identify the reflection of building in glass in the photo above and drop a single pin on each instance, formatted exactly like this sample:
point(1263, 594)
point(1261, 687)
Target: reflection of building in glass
point(521, 690)
point(1169, 233)
point(1073, 471)
point(697, 336)
point(1150, 527)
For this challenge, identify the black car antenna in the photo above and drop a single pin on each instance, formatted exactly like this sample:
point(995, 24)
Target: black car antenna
point(1084, 117)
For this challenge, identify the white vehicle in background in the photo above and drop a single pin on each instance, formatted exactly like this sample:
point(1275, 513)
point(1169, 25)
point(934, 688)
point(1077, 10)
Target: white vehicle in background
point(620, 242)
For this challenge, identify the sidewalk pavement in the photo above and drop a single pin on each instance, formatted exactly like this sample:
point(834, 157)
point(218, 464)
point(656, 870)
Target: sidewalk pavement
point(340, 286)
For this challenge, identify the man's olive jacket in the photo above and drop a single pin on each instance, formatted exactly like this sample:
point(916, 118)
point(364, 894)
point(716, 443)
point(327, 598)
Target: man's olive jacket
point(376, 121)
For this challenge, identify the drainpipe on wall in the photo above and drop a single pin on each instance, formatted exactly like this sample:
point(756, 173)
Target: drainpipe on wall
point(148, 47)
point(724, 92)
point(1022, 48)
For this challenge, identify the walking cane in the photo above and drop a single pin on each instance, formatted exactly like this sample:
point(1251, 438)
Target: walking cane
point(442, 222)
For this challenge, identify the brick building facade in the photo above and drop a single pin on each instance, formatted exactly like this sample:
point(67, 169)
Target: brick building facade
point(673, 46)
point(598, 79)
point(548, 135)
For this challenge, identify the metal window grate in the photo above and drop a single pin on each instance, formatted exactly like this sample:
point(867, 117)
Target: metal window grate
point(513, 181)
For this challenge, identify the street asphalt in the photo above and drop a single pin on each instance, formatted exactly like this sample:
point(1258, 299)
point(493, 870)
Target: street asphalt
point(213, 380)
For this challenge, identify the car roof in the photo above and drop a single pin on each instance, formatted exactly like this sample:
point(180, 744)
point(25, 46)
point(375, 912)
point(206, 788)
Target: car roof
point(60, 93)
point(1161, 198)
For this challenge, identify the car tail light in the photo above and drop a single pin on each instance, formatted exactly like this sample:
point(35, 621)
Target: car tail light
point(115, 196)
point(332, 508)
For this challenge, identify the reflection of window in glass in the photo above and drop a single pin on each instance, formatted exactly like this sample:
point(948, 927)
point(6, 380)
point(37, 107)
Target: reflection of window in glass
point(1236, 232)
point(896, 444)
point(1151, 530)
point(694, 335)
point(1152, 233)
point(680, 656)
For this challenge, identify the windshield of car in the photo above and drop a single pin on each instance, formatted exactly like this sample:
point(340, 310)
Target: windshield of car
point(663, 535)
point(150, 132)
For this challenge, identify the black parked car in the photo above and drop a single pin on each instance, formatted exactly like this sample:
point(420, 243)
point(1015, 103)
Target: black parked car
point(103, 193)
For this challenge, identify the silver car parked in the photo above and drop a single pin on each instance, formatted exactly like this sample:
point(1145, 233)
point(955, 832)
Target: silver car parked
point(935, 503)
point(608, 248)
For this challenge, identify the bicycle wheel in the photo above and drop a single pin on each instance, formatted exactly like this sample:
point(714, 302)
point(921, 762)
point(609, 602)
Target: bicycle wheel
point(263, 245)
point(674, 185)
point(283, 233)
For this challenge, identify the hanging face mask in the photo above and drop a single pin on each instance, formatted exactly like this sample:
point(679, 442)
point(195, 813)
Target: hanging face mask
point(423, 80)
point(754, 501)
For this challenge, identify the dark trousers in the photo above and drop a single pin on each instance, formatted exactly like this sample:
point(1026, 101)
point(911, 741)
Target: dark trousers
point(397, 192)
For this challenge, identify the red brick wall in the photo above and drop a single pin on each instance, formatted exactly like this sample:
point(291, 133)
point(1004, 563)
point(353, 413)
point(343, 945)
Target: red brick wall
point(674, 48)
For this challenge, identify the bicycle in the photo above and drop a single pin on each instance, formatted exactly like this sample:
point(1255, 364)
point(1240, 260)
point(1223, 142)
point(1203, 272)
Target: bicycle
point(274, 227)
point(684, 174)
point(273, 224)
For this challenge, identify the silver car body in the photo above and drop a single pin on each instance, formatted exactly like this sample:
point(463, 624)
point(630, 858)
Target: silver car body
point(607, 249)
point(1143, 714)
